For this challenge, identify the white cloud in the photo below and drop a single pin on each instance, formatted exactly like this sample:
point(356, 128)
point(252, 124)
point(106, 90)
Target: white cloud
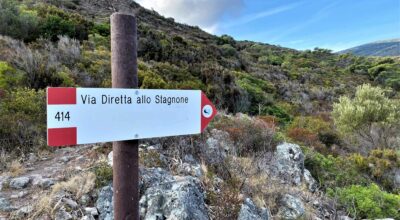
point(203, 13)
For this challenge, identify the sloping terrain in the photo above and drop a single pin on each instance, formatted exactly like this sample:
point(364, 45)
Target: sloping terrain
point(299, 136)
point(379, 48)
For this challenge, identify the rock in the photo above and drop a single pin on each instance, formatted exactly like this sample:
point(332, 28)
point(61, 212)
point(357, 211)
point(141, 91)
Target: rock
point(343, 217)
point(38, 180)
point(88, 217)
point(290, 162)
point(85, 199)
point(5, 205)
point(65, 159)
point(23, 212)
point(190, 169)
point(104, 203)
point(180, 199)
point(310, 181)
point(110, 159)
point(61, 214)
point(291, 207)
point(218, 144)
point(19, 182)
point(91, 211)
point(71, 203)
point(32, 158)
point(19, 195)
point(289, 166)
point(249, 211)
point(152, 177)
point(46, 183)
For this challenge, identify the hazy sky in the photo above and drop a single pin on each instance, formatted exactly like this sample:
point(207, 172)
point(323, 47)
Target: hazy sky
point(301, 24)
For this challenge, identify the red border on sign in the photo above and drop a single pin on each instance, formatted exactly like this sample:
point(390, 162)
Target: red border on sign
point(204, 120)
point(61, 96)
point(62, 136)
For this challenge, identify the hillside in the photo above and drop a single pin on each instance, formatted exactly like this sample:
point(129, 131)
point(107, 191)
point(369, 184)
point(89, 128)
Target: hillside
point(378, 48)
point(300, 134)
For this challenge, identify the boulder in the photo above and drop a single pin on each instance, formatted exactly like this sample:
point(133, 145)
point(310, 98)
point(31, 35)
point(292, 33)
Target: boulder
point(19, 182)
point(5, 205)
point(182, 198)
point(289, 166)
point(291, 207)
point(249, 211)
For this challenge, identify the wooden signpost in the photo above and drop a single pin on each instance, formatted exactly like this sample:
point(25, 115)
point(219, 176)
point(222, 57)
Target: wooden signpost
point(124, 114)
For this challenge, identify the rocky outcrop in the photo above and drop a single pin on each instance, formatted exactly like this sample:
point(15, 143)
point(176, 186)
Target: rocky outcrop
point(19, 182)
point(289, 166)
point(291, 207)
point(163, 197)
point(104, 203)
point(249, 211)
point(180, 199)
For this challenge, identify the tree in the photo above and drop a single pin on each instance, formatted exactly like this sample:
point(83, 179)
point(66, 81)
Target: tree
point(370, 115)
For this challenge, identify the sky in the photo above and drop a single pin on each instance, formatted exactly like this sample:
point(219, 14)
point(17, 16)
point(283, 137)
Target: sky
point(298, 24)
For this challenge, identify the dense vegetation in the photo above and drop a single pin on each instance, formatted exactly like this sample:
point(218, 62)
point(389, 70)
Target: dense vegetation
point(66, 43)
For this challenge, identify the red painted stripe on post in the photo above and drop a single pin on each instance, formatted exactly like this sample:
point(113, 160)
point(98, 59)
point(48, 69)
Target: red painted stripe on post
point(61, 96)
point(205, 120)
point(62, 136)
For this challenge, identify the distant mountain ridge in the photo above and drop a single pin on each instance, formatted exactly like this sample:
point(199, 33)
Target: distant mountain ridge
point(378, 48)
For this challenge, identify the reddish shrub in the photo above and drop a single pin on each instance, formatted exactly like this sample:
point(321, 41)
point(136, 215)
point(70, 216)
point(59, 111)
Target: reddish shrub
point(303, 135)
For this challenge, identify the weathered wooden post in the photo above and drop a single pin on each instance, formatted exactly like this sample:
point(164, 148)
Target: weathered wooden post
point(125, 153)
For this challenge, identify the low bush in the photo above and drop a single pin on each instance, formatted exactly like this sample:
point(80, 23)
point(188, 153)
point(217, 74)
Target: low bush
point(251, 135)
point(333, 171)
point(368, 202)
point(304, 136)
point(9, 77)
point(23, 120)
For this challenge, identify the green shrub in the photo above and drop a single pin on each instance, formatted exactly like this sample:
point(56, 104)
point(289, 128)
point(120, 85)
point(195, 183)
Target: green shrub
point(55, 22)
point(332, 171)
point(278, 112)
point(16, 22)
point(368, 202)
point(150, 80)
point(9, 77)
point(227, 50)
point(104, 174)
point(370, 107)
point(23, 120)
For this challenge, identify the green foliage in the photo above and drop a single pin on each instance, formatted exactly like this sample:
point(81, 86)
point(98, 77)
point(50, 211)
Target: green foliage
point(259, 91)
point(46, 21)
point(104, 174)
point(332, 171)
point(17, 22)
point(151, 80)
point(55, 22)
point(102, 29)
point(23, 117)
point(278, 112)
point(369, 107)
point(378, 164)
point(9, 77)
point(226, 39)
point(368, 202)
point(227, 50)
